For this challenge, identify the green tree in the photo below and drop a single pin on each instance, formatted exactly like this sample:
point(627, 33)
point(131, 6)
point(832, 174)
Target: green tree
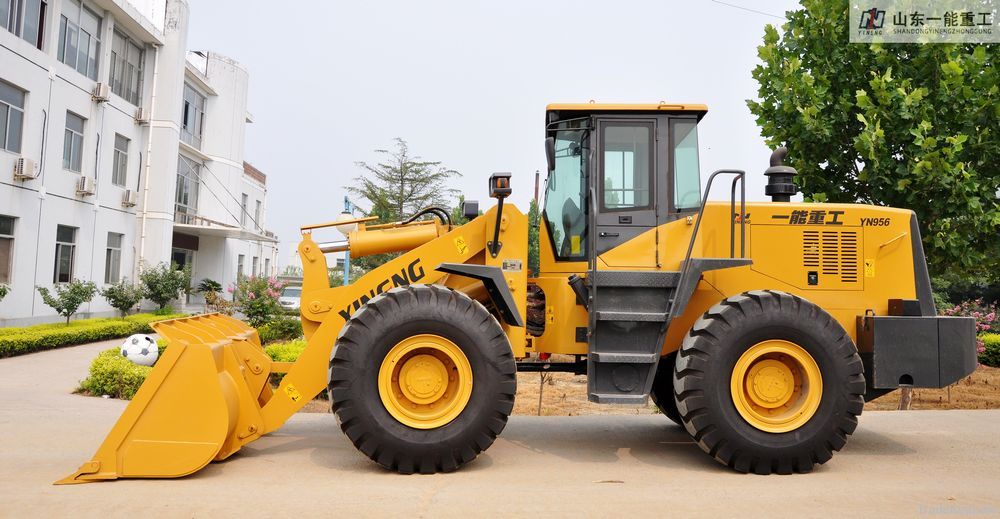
point(397, 187)
point(68, 296)
point(907, 125)
point(123, 296)
point(164, 283)
point(533, 221)
point(4, 290)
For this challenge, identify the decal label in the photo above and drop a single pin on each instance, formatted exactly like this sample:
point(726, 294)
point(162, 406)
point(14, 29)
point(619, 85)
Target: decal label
point(461, 246)
point(407, 275)
point(869, 268)
point(813, 217)
point(293, 394)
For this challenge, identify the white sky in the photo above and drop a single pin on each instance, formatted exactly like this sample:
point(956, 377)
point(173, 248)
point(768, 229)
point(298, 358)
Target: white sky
point(466, 83)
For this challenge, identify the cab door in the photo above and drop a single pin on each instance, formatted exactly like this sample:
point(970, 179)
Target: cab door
point(626, 189)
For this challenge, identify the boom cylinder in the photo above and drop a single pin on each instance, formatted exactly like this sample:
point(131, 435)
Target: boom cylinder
point(365, 242)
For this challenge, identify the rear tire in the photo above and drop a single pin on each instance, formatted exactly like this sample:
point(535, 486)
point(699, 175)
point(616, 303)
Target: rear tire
point(375, 424)
point(662, 393)
point(706, 384)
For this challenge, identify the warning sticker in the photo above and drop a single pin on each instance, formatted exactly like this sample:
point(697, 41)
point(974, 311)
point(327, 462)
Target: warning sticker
point(574, 244)
point(460, 245)
point(293, 394)
point(869, 268)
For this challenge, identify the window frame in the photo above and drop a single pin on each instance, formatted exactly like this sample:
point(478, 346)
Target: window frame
point(8, 238)
point(193, 115)
point(603, 125)
point(73, 141)
point(60, 245)
point(17, 15)
point(245, 207)
point(93, 41)
point(240, 265)
point(120, 65)
point(8, 107)
point(188, 183)
point(119, 161)
point(113, 255)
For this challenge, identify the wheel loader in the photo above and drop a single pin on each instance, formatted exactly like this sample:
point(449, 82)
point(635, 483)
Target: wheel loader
point(760, 328)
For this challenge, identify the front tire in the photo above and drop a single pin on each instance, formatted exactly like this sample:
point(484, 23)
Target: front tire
point(422, 379)
point(769, 382)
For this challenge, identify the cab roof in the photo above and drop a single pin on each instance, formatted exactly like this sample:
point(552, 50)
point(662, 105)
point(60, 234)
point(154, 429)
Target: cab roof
point(662, 106)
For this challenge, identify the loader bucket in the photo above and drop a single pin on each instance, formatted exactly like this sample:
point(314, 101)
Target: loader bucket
point(201, 402)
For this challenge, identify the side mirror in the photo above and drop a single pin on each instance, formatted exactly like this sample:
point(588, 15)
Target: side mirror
point(550, 152)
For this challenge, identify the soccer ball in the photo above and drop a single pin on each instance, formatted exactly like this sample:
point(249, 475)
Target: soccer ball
point(140, 349)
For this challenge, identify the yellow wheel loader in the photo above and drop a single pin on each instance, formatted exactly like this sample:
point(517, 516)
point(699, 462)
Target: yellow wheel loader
point(761, 328)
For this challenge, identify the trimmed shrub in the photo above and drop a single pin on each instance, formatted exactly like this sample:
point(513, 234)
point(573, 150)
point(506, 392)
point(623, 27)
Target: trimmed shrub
point(164, 283)
point(256, 297)
point(29, 339)
point(990, 355)
point(114, 375)
point(283, 329)
point(286, 351)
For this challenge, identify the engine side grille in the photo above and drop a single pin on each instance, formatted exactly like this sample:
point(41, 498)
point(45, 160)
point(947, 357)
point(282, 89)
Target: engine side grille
point(834, 253)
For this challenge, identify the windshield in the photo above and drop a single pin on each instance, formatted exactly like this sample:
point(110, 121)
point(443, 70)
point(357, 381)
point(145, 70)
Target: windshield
point(291, 292)
point(565, 211)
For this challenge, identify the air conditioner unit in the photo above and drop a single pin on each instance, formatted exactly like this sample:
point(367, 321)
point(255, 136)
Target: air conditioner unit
point(25, 169)
point(128, 199)
point(85, 186)
point(102, 92)
point(141, 116)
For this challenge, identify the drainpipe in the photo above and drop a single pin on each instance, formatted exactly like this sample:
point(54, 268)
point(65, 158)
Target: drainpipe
point(149, 156)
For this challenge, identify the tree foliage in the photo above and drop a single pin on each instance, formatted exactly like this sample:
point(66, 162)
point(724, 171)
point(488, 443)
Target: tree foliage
point(68, 296)
point(905, 125)
point(123, 296)
point(164, 283)
point(399, 186)
point(534, 218)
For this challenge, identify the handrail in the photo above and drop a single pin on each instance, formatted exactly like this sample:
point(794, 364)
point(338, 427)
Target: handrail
point(740, 175)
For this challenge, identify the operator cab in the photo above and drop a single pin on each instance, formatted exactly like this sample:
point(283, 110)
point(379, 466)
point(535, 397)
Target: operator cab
point(616, 171)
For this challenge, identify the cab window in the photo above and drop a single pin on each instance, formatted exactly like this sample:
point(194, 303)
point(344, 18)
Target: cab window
point(565, 196)
point(627, 166)
point(687, 174)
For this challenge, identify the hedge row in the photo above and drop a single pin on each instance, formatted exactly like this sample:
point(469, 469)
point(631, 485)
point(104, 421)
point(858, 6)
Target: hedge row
point(113, 375)
point(29, 339)
point(990, 355)
point(284, 329)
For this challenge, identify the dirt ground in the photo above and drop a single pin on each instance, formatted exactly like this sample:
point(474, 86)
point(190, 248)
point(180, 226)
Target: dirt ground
point(565, 394)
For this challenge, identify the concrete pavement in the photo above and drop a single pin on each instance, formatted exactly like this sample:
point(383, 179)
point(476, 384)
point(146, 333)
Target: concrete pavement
point(898, 463)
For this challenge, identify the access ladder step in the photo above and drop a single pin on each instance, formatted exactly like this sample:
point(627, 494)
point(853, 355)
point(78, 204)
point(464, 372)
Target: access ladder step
point(611, 398)
point(631, 316)
point(637, 278)
point(624, 357)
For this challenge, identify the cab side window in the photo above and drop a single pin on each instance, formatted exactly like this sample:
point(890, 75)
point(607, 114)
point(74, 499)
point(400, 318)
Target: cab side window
point(687, 174)
point(627, 164)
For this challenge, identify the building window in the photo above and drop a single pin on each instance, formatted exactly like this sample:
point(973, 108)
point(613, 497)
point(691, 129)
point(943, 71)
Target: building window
point(6, 247)
point(267, 267)
point(243, 209)
point(73, 142)
point(119, 163)
point(256, 216)
point(192, 116)
point(11, 115)
point(126, 67)
point(24, 18)
point(65, 254)
point(186, 198)
point(254, 264)
point(113, 258)
point(79, 42)
point(240, 260)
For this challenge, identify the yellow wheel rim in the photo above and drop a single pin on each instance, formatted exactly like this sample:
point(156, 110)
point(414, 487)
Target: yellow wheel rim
point(425, 381)
point(776, 386)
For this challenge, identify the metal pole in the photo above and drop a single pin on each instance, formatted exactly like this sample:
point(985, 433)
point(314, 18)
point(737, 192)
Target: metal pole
point(347, 253)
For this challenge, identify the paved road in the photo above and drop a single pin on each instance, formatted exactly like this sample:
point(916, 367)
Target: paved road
point(914, 463)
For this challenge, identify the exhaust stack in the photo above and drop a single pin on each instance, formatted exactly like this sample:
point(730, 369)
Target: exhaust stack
point(779, 177)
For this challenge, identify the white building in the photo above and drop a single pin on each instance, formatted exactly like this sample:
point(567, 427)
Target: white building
point(118, 148)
